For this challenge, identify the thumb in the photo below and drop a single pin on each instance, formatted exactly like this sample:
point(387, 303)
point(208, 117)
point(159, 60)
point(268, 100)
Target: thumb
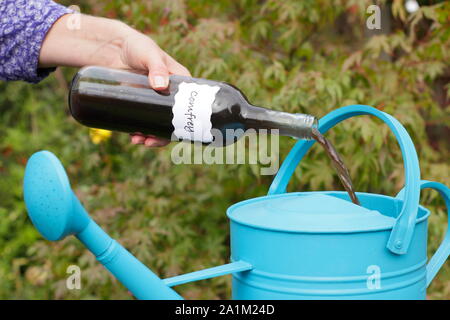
point(158, 72)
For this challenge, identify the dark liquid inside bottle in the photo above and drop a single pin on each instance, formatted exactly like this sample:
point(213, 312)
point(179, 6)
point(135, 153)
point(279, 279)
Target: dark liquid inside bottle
point(123, 101)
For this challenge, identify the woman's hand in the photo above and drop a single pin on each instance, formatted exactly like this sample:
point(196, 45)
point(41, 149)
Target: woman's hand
point(139, 52)
point(109, 43)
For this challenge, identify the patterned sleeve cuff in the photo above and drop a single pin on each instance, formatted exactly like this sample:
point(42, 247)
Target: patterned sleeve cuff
point(28, 21)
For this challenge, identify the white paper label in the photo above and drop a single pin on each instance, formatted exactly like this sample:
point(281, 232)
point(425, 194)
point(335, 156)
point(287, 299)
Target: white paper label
point(192, 111)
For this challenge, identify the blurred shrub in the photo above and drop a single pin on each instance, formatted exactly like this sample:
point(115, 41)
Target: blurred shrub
point(297, 56)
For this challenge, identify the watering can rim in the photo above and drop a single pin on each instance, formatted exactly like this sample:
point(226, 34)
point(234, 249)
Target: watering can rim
point(304, 229)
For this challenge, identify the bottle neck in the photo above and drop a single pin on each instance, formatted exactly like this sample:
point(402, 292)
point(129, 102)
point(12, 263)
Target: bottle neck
point(294, 125)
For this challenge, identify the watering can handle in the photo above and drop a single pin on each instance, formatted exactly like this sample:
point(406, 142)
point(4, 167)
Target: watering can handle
point(403, 229)
point(442, 253)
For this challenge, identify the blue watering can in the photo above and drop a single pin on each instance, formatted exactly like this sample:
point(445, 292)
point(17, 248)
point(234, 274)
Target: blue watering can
point(300, 245)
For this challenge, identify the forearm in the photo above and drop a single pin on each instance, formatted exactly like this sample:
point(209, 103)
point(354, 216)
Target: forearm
point(90, 41)
point(38, 35)
point(23, 26)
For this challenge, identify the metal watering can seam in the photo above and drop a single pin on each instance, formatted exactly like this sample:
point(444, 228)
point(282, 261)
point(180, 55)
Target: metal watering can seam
point(292, 278)
point(325, 292)
point(110, 253)
point(402, 232)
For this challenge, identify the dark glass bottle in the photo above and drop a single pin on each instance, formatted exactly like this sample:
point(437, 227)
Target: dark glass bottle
point(190, 109)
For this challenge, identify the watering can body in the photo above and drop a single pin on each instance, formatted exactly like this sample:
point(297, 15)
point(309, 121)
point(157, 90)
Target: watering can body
point(302, 245)
point(312, 261)
point(318, 245)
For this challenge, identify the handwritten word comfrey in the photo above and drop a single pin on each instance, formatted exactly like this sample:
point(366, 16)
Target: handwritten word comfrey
point(189, 127)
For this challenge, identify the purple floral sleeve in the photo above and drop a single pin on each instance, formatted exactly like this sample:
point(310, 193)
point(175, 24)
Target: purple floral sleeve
point(23, 26)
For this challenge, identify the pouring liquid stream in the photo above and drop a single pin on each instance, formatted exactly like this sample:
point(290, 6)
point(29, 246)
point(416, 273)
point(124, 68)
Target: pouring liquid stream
point(339, 165)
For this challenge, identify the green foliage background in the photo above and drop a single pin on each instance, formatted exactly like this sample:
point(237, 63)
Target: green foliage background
point(297, 56)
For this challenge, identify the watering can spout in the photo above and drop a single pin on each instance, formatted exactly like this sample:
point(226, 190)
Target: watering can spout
point(56, 212)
